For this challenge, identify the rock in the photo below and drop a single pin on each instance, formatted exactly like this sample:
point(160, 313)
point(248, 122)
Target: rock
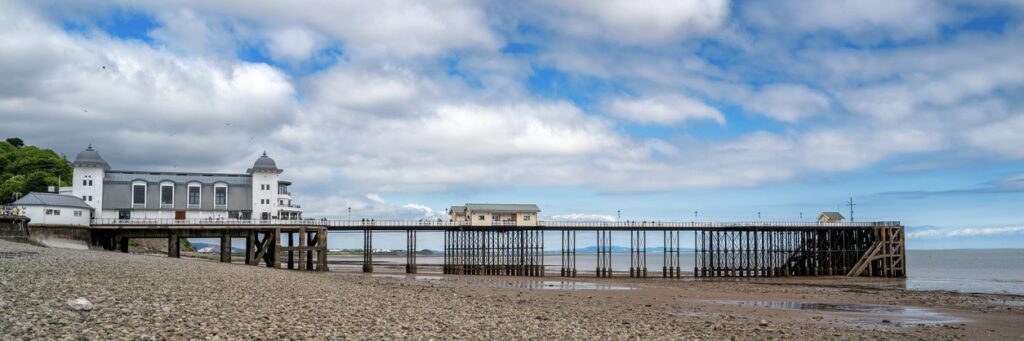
point(80, 304)
point(886, 321)
point(763, 323)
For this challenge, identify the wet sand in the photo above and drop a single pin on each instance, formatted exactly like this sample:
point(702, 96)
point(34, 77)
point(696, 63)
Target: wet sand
point(150, 296)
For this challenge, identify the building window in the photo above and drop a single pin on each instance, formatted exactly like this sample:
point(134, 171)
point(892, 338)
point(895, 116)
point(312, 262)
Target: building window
point(167, 195)
point(526, 217)
point(90, 198)
point(193, 195)
point(220, 196)
point(139, 194)
point(233, 214)
point(78, 213)
point(480, 217)
point(85, 182)
point(90, 182)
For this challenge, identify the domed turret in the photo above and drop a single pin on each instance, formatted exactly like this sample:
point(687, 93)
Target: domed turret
point(264, 164)
point(91, 158)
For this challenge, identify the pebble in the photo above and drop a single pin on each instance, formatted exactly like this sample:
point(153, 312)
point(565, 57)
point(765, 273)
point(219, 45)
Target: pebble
point(138, 296)
point(79, 304)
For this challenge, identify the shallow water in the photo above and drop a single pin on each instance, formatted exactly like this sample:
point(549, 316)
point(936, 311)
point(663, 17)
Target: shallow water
point(859, 312)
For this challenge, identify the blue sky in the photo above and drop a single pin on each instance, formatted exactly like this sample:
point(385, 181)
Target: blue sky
point(656, 109)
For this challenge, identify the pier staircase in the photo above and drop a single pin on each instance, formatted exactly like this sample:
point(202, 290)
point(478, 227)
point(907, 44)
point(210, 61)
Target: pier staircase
point(886, 256)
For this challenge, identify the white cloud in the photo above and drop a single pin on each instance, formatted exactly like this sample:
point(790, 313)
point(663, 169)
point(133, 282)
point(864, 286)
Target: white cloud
point(293, 44)
point(859, 19)
point(788, 103)
point(666, 110)
point(636, 21)
point(966, 232)
point(1004, 138)
point(425, 211)
point(583, 217)
point(396, 117)
point(374, 197)
point(84, 86)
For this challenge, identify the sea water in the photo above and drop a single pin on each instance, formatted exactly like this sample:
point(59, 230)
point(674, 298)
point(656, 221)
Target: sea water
point(971, 271)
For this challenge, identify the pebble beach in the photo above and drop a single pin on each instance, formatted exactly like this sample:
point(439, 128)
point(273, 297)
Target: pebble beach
point(147, 296)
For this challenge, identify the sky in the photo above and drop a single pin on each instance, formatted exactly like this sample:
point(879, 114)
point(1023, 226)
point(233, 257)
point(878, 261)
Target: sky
point(708, 110)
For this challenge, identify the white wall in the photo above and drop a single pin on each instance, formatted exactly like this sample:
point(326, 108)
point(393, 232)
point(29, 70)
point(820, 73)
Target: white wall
point(66, 217)
point(269, 195)
point(96, 190)
point(166, 214)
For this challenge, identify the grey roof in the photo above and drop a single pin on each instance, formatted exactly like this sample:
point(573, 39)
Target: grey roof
point(264, 164)
point(832, 215)
point(503, 208)
point(50, 199)
point(90, 158)
point(179, 178)
point(457, 209)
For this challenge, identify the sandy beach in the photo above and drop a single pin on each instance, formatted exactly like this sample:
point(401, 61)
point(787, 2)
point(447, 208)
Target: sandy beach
point(139, 296)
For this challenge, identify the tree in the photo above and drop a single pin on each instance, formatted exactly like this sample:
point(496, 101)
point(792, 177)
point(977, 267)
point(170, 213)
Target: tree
point(16, 142)
point(12, 187)
point(27, 168)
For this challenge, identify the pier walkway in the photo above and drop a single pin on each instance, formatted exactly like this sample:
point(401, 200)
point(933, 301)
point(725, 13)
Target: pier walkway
point(721, 249)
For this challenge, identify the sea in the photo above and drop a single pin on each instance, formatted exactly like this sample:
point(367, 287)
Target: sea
point(998, 271)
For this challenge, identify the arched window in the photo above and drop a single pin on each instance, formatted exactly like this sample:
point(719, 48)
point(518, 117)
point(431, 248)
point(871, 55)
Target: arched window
point(220, 195)
point(166, 194)
point(138, 193)
point(195, 197)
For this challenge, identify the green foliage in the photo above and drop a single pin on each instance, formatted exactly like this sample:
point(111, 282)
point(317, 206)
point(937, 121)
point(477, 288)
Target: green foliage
point(16, 142)
point(26, 169)
point(186, 245)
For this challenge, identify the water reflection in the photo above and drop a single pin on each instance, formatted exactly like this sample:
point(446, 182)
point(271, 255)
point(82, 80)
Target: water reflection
point(510, 284)
point(900, 314)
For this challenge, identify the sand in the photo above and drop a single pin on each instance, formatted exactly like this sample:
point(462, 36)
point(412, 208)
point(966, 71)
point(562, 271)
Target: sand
point(146, 296)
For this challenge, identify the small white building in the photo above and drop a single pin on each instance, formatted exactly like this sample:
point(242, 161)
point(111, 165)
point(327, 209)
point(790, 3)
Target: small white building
point(495, 214)
point(54, 209)
point(830, 217)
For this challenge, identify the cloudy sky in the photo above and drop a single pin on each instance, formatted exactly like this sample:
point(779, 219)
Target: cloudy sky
point(657, 109)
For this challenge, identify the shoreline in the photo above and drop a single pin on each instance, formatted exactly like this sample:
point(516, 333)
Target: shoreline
point(147, 296)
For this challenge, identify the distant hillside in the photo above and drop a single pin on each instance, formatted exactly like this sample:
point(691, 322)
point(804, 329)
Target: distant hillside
point(202, 247)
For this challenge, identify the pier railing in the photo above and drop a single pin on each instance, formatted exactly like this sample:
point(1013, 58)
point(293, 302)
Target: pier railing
point(8, 210)
point(371, 223)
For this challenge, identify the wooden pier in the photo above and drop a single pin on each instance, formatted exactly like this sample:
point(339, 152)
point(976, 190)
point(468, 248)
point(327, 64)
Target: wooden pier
point(751, 249)
point(264, 244)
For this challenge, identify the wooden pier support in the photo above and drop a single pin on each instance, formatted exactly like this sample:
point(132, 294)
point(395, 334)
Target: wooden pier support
point(173, 245)
point(870, 251)
point(367, 250)
point(494, 252)
point(225, 247)
point(604, 253)
point(671, 266)
point(410, 251)
point(638, 254)
point(568, 254)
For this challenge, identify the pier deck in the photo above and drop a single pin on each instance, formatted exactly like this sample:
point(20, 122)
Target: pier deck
point(721, 249)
